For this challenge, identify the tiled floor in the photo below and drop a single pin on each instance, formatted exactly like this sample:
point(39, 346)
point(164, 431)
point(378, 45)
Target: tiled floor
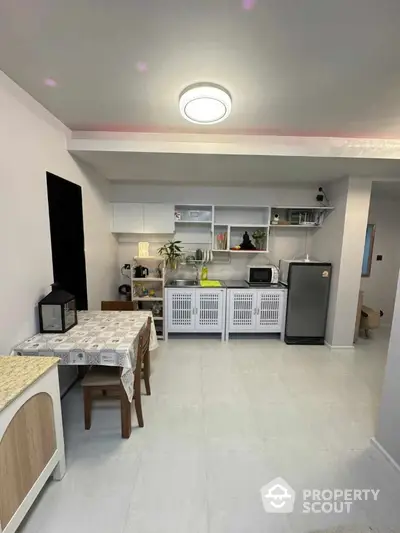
point(224, 420)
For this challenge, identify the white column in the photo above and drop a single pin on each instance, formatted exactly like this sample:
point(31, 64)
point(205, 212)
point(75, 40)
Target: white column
point(341, 241)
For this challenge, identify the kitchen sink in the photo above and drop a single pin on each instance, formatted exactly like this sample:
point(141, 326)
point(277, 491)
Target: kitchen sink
point(183, 283)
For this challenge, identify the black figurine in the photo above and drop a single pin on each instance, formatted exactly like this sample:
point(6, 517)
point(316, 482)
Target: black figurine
point(246, 243)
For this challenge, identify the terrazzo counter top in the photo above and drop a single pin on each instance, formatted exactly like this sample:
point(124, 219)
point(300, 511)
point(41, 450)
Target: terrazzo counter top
point(31, 434)
point(17, 373)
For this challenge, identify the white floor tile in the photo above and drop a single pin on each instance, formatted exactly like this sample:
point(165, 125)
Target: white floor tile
point(223, 420)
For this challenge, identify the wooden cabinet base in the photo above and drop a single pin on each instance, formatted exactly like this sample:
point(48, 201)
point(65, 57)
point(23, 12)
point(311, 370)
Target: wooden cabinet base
point(31, 448)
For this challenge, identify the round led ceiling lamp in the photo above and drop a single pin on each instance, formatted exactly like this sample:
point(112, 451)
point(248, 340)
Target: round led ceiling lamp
point(205, 103)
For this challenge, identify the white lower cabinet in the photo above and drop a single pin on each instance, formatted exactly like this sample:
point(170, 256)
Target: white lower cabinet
point(210, 310)
point(256, 310)
point(181, 304)
point(196, 310)
point(270, 307)
point(242, 308)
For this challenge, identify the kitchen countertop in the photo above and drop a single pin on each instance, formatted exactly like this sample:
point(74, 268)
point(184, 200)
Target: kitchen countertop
point(169, 286)
point(17, 373)
point(229, 284)
point(241, 284)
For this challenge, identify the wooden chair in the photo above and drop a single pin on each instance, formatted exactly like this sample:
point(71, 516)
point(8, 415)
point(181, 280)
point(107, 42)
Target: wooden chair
point(108, 379)
point(119, 305)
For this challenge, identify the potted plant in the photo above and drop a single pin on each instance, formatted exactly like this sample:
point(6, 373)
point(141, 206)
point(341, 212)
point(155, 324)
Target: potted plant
point(171, 252)
point(259, 238)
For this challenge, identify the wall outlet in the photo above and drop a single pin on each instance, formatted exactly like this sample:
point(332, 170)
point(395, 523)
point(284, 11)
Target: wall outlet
point(379, 257)
point(126, 266)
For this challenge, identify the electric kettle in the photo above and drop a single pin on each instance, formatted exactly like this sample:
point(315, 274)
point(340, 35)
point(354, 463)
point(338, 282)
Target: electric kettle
point(141, 271)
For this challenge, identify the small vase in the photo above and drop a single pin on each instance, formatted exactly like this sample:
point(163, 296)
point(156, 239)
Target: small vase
point(172, 263)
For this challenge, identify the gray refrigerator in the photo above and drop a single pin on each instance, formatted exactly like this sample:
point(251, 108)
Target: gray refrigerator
point(308, 286)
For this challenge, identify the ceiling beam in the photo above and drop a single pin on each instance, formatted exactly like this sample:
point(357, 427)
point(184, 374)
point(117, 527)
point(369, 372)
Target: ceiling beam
point(234, 145)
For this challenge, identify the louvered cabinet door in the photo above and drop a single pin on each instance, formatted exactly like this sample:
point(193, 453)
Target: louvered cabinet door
point(242, 308)
point(210, 310)
point(269, 310)
point(180, 307)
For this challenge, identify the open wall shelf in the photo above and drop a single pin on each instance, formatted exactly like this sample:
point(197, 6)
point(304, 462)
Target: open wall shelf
point(299, 217)
point(208, 222)
point(222, 227)
point(140, 286)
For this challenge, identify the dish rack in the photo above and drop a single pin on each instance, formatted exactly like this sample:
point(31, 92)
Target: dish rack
point(189, 257)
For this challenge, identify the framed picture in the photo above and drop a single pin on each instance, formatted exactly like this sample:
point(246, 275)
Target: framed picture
point(368, 250)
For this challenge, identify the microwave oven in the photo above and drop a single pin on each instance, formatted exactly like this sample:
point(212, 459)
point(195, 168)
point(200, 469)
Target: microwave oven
point(262, 274)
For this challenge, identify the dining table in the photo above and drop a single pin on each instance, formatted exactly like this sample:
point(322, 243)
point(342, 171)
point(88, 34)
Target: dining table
point(103, 338)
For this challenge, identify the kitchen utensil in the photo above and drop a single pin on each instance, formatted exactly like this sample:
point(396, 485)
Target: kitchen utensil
point(199, 254)
point(211, 256)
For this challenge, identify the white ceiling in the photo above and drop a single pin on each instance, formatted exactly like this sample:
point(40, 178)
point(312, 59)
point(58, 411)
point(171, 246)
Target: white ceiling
point(293, 67)
point(234, 169)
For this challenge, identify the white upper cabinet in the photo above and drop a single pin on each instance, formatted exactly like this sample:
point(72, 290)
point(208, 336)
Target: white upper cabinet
point(142, 218)
point(127, 218)
point(158, 218)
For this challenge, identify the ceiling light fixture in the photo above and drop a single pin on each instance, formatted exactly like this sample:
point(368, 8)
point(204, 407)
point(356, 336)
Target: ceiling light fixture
point(50, 82)
point(205, 103)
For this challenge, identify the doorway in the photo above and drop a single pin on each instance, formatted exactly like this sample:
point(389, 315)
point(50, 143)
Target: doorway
point(67, 237)
point(380, 272)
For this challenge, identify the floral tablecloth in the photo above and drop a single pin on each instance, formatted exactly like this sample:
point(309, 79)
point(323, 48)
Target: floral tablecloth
point(106, 338)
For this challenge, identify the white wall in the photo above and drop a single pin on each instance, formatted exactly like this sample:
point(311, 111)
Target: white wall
point(341, 242)
point(287, 194)
point(388, 432)
point(283, 244)
point(31, 143)
point(380, 287)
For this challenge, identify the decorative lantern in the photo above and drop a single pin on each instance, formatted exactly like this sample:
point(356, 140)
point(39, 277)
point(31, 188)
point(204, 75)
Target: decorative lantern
point(57, 311)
